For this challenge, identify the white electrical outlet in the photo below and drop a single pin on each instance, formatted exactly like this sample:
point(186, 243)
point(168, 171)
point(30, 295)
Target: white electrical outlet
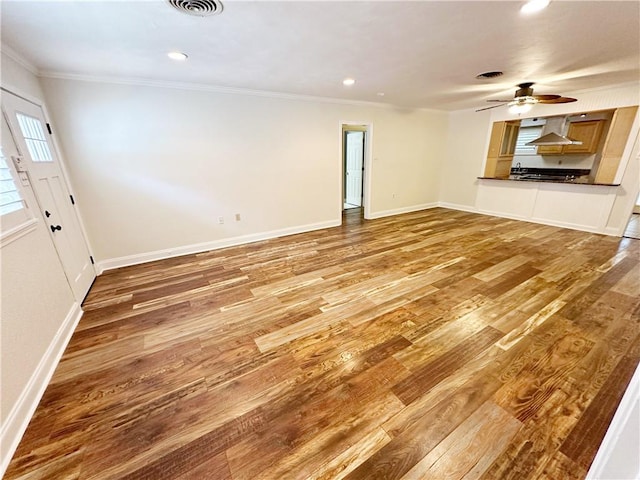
point(220, 220)
point(237, 217)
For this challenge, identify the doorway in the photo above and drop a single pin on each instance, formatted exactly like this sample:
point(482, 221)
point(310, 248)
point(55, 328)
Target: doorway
point(355, 151)
point(353, 168)
point(41, 171)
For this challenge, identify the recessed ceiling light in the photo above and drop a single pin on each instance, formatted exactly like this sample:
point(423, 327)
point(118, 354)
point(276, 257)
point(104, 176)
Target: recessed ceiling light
point(380, 94)
point(534, 6)
point(347, 82)
point(179, 56)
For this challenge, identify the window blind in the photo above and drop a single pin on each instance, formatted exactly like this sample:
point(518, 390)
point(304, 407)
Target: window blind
point(10, 199)
point(527, 134)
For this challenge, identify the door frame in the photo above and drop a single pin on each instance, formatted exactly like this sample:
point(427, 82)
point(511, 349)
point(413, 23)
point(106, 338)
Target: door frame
point(367, 127)
point(346, 175)
point(38, 102)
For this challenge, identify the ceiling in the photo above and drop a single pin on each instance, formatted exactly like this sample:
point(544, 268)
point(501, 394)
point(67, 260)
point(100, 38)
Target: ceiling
point(418, 53)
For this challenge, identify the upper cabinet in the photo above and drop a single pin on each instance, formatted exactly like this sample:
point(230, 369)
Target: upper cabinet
point(589, 133)
point(603, 133)
point(509, 137)
point(502, 146)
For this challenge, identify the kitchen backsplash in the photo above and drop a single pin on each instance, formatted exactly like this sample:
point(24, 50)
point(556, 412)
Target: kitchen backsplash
point(551, 161)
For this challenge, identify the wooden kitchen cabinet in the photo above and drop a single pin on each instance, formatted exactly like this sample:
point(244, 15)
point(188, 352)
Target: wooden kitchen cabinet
point(550, 150)
point(617, 137)
point(509, 137)
point(588, 133)
point(502, 146)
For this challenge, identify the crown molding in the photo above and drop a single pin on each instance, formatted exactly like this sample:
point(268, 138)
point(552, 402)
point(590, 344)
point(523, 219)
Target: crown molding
point(212, 88)
point(19, 59)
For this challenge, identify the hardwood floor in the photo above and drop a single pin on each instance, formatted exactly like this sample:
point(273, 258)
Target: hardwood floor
point(633, 227)
point(436, 344)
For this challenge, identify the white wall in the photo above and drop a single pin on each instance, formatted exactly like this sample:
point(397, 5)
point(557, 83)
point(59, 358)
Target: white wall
point(36, 304)
point(153, 168)
point(467, 140)
point(19, 75)
point(585, 207)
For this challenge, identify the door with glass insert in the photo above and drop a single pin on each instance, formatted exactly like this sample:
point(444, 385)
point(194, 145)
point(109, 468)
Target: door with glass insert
point(38, 157)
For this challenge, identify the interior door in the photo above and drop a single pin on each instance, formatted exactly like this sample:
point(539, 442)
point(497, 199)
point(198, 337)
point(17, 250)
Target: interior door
point(354, 157)
point(39, 161)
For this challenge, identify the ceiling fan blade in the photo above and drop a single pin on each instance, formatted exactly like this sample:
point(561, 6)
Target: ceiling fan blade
point(489, 108)
point(500, 101)
point(560, 100)
point(546, 97)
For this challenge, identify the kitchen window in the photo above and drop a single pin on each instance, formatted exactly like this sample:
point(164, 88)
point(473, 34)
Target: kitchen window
point(527, 134)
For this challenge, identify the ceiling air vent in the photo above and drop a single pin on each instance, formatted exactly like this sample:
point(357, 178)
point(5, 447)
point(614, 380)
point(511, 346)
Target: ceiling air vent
point(488, 75)
point(200, 8)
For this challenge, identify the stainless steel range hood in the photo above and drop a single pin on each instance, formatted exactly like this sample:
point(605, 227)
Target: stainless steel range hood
point(555, 133)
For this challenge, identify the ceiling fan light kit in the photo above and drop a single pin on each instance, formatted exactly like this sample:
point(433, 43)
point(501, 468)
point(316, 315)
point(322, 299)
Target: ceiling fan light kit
point(522, 104)
point(533, 6)
point(524, 99)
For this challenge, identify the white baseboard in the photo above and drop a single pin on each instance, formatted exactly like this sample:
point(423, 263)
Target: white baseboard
point(618, 457)
point(614, 231)
point(456, 206)
point(546, 221)
point(20, 415)
point(398, 211)
point(128, 260)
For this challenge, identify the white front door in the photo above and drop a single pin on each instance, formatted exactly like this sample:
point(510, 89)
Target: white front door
point(354, 153)
point(38, 158)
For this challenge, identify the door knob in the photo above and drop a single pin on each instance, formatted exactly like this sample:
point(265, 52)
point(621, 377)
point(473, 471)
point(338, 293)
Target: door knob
point(55, 227)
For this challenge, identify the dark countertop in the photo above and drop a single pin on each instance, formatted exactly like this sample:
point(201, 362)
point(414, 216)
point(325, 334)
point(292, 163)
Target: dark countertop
point(551, 175)
point(577, 180)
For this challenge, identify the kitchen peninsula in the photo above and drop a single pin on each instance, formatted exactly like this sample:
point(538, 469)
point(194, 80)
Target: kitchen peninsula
point(585, 148)
point(555, 175)
point(584, 184)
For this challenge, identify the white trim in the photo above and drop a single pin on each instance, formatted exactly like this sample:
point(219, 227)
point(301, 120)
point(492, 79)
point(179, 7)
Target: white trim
point(18, 419)
point(211, 88)
point(399, 211)
point(18, 231)
point(136, 81)
point(457, 206)
point(19, 59)
point(551, 223)
point(129, 260)
point(614, 231)
point(67, 178)
point(622, 425)
point(368, 165)
point(610, 231)
point(492, 213)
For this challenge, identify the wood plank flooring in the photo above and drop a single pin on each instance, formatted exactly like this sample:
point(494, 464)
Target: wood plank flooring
point(431, 345)
point(633, 227)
